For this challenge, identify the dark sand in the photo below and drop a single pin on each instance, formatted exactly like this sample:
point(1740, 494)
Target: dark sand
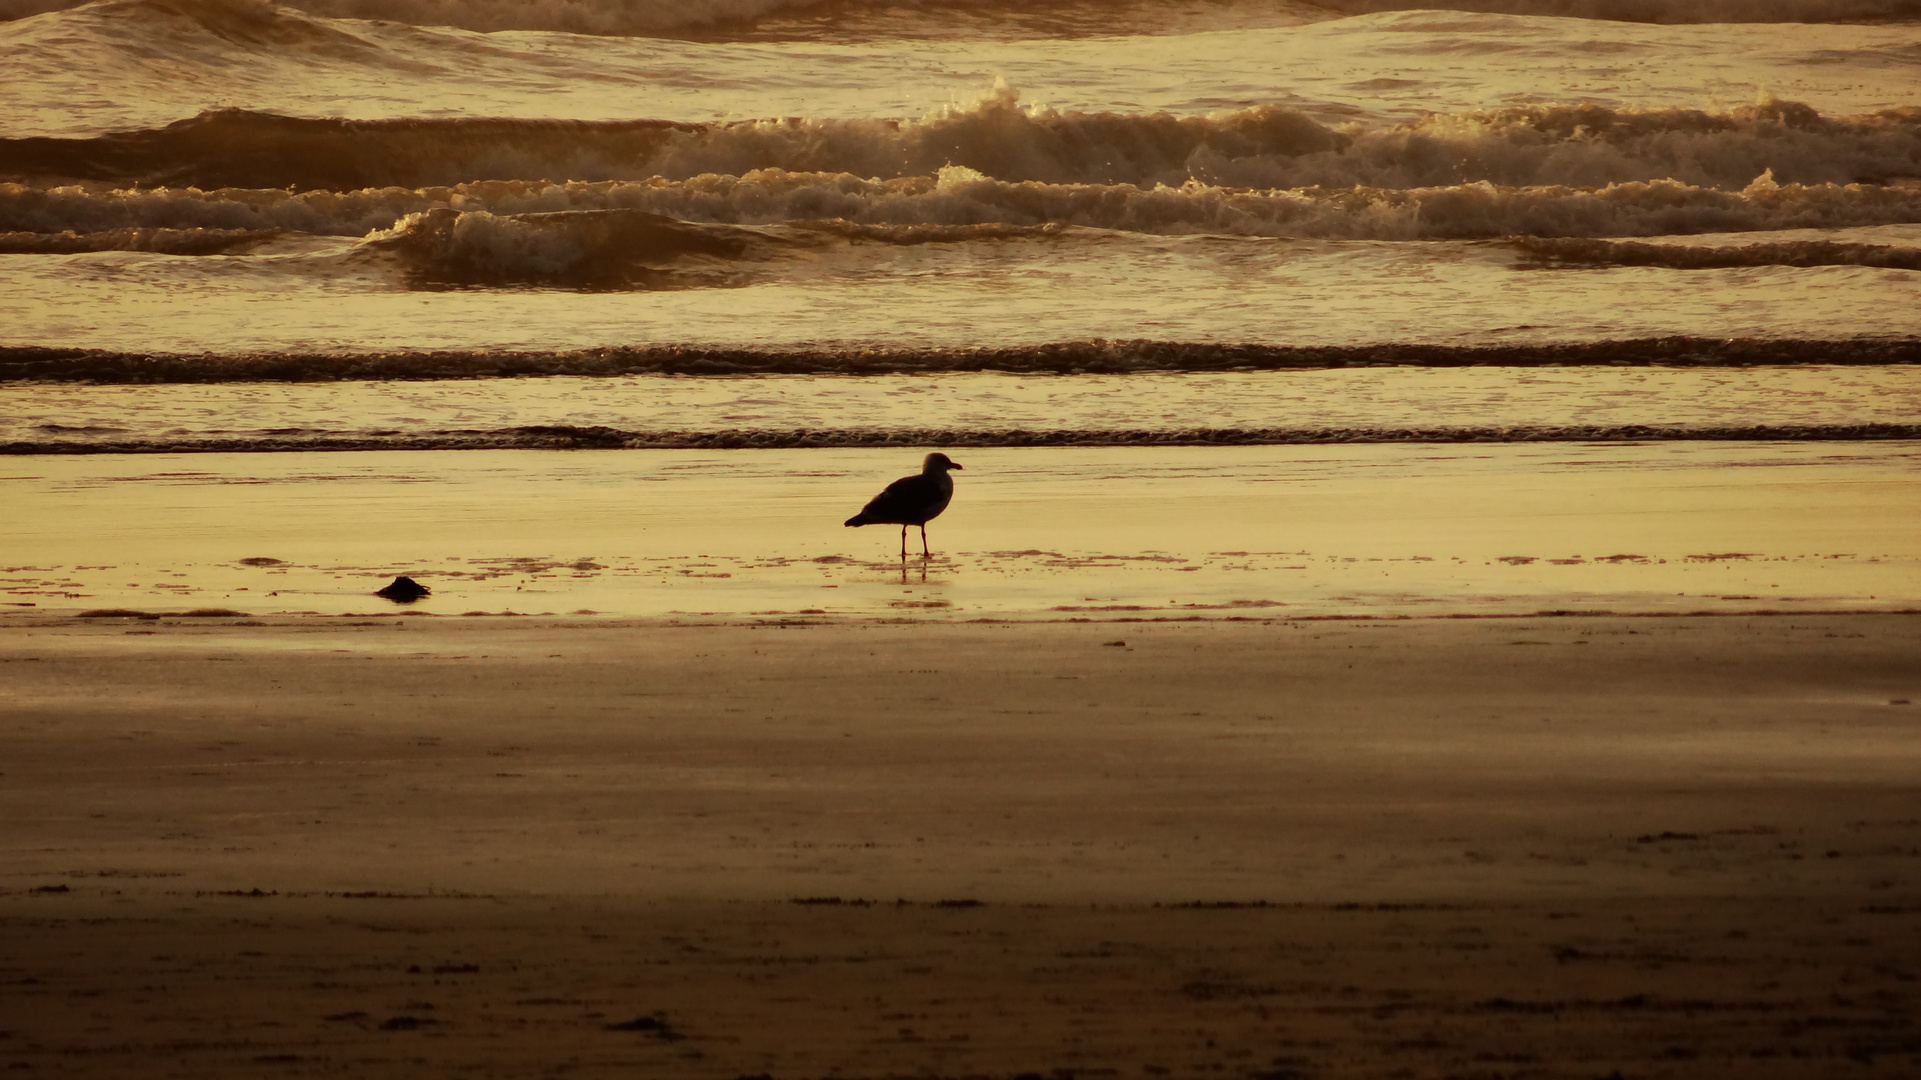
point(1546, 847)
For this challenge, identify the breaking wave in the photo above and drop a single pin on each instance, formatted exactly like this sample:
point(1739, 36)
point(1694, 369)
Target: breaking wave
point(954, 205)
point(592, 249)
point(1259, 148)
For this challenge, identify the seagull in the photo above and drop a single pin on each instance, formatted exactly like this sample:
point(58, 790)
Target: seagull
point(911, 500)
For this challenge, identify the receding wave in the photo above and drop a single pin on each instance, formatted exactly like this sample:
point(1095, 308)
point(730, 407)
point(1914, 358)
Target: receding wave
point(565, 437)
point(1583, 252)
point(1260, 148)
point(1065, 358)
point(960, 200)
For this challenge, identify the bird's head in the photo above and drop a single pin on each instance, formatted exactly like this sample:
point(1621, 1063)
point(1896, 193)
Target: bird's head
point(938, 463)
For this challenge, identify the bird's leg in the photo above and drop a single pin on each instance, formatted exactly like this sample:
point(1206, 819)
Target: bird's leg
point(923, 542)
point(903, 542)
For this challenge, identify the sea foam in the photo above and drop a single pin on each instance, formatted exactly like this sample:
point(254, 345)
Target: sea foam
point(906, 210)
point(1260, 147)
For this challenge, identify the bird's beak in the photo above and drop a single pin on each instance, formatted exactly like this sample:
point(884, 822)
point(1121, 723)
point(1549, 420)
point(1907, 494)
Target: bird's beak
point(951, 465)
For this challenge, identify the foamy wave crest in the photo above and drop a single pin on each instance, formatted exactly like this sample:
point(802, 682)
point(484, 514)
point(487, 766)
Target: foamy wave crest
point(960, 199)
point(1265, 147)
point(1579, 252)
point(1459, 212)
point(576, 249)
point(78, 209)
point(1591, 145)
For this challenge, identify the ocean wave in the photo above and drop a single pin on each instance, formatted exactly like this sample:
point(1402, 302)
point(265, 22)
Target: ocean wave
point(1064, 358)
point(1258, 148)
point(1583, 252)
point(602, 17)
point(623, 249)
point(969, 206)
point(241, 148)
point(732, 19)
point(161, 241)
point(582, 249)
point(564, 437)
point(1658, 11)
point(737, 20)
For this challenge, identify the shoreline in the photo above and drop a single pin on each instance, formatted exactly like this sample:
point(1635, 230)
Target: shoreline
point(569, 437)
point(1037, 533)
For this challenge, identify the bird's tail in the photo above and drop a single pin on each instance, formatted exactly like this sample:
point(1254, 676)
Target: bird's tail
point(856, 521)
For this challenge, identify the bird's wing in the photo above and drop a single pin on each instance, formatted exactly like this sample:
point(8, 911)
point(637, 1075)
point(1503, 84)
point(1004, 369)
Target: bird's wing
point(903, 499)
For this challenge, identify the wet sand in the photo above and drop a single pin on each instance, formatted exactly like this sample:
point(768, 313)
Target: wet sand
point(1663, 846)
point(1409, 529)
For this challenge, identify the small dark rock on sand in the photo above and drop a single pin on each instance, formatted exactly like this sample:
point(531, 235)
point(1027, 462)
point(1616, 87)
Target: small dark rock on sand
point(404, 590)
point(652, 1025)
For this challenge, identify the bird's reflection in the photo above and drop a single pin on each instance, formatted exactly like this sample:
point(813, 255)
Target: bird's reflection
point(903, 569)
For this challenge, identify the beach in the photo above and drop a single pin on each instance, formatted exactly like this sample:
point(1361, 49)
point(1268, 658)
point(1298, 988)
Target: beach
point(1431, 590)
point(1540, 759)
point(1553, 846)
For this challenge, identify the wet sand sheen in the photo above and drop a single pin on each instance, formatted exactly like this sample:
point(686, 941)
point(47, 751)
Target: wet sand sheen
point(1324, 530)
point(1568, 845)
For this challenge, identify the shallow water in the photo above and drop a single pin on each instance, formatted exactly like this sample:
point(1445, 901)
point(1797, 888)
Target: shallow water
point(1064, 533)
point(968, 408)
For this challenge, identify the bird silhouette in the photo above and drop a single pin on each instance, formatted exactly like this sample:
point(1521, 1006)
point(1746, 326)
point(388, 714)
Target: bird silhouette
point(911, 500)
